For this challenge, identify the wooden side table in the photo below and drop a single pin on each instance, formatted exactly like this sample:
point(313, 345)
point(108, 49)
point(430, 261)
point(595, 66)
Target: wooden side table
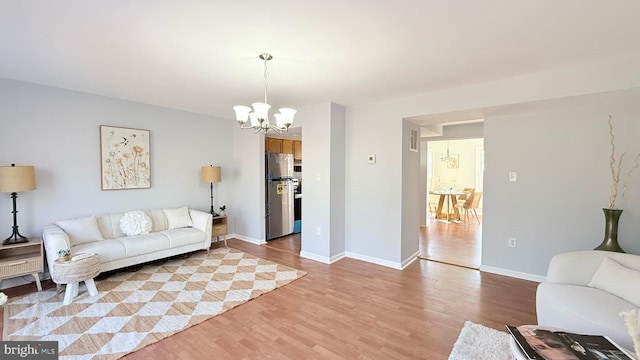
point(81, 267)
point(22, 259)
point(220, 228)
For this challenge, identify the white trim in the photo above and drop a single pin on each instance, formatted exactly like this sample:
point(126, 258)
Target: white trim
point(511, 273)
point(410, 260)
point(247, 239)
point(377, 261)
point(337, 257)
point(315, 257)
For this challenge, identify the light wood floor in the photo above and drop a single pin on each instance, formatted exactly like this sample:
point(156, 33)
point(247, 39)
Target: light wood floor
point(351, 310)
point(453, 243)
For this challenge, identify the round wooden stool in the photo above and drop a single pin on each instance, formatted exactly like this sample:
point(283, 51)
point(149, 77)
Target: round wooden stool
point(81, 267)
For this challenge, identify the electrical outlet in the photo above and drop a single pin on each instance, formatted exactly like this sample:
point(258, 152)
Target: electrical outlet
point(512, 242)
point(318, 231)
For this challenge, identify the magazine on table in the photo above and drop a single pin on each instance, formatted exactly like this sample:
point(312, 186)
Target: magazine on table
point(538, 342)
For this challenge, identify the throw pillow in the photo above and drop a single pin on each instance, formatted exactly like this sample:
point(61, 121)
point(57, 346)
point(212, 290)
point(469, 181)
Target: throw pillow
point(618, 280)
point(178, 218)
point(81, 230)
point(134, 223)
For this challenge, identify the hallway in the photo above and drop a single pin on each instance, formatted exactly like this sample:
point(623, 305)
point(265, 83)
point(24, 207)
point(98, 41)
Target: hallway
point(455, 243)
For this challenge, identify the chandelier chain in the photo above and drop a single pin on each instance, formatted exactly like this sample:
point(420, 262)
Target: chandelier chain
point(266, 82)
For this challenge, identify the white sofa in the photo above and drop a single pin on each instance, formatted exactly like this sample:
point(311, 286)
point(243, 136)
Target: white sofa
point(173, 232)
point(585, 292)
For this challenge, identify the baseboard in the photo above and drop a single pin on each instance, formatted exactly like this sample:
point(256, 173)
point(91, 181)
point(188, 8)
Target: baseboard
point(410, 260)
point(337, 257)
point(511, 273)
point(377, 261)
point(247, 239)
point(315, 257)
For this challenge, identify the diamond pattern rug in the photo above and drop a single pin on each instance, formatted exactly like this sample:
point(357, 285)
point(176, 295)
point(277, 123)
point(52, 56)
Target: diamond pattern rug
point(139, 307)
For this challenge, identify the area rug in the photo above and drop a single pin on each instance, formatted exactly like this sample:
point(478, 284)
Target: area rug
point(139, 307)
point(480, 342)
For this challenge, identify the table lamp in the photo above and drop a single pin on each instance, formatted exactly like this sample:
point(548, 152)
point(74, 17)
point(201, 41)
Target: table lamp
point(14, 179)
point(211, 174)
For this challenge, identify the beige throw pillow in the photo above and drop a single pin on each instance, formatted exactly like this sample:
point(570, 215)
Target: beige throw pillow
point(178, 218)
point(618, 280)
point(81, 230)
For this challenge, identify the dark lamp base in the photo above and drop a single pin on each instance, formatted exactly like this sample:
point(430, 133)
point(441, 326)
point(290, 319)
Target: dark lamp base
point(12, 240)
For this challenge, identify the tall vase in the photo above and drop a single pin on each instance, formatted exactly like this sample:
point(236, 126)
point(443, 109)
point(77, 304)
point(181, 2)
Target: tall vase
point(610, 242)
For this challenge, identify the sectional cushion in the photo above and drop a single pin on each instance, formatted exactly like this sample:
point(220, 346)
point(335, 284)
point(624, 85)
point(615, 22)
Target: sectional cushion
point(81, 230)
point(618, 280)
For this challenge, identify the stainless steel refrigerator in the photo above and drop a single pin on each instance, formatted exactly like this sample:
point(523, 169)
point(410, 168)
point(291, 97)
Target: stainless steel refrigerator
point(279, 193)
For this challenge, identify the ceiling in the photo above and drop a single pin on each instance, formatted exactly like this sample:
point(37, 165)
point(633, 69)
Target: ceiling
point(202, 56)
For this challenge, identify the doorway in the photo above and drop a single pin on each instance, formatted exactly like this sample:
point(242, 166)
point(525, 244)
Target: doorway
point(453, 165)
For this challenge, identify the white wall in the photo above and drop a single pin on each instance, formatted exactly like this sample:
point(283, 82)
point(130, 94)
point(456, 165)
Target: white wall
point(374, 191)
point(561, 157)
point(373, 197)
point(57, 131)
point(315, 202)
point(410, 234)
point(248, 159)
point(337, 176)
point(323, 178)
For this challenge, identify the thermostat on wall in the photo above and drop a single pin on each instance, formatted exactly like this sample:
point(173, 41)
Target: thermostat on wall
point(371, 159)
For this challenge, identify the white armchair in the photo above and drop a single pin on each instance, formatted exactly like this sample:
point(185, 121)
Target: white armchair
point(572, 298)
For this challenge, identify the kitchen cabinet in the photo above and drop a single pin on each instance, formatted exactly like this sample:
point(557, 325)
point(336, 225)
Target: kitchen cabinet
point(274, 145)
point(297, 150)
point(283, 146)
point(287, 146)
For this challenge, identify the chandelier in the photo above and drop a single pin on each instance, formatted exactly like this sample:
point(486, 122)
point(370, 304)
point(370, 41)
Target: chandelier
point(259, 118)
point(446, 157)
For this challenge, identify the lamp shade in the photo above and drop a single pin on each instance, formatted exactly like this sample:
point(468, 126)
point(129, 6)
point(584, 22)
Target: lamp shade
point(261, 110)
point(211, 174)
point(242, 113)
point(17, 178)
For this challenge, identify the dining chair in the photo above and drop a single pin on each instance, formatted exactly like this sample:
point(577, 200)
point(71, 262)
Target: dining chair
point(467, 193)
point(471, 204)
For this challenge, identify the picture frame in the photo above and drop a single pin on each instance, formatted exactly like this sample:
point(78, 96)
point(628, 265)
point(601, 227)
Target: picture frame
point(454, 161)
point(125, 158)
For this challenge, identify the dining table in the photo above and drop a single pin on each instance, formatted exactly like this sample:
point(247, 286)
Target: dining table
point(450, 197)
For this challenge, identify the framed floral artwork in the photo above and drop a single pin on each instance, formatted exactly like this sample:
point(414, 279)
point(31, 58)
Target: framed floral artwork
point(124, 158)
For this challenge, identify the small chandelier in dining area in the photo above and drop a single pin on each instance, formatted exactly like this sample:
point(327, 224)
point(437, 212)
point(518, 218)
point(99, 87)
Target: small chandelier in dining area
point(259, 118)
point(446, 157)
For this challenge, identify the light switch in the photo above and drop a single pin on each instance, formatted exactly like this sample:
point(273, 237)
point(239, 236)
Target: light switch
point(513, 176)
point(317, 176)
